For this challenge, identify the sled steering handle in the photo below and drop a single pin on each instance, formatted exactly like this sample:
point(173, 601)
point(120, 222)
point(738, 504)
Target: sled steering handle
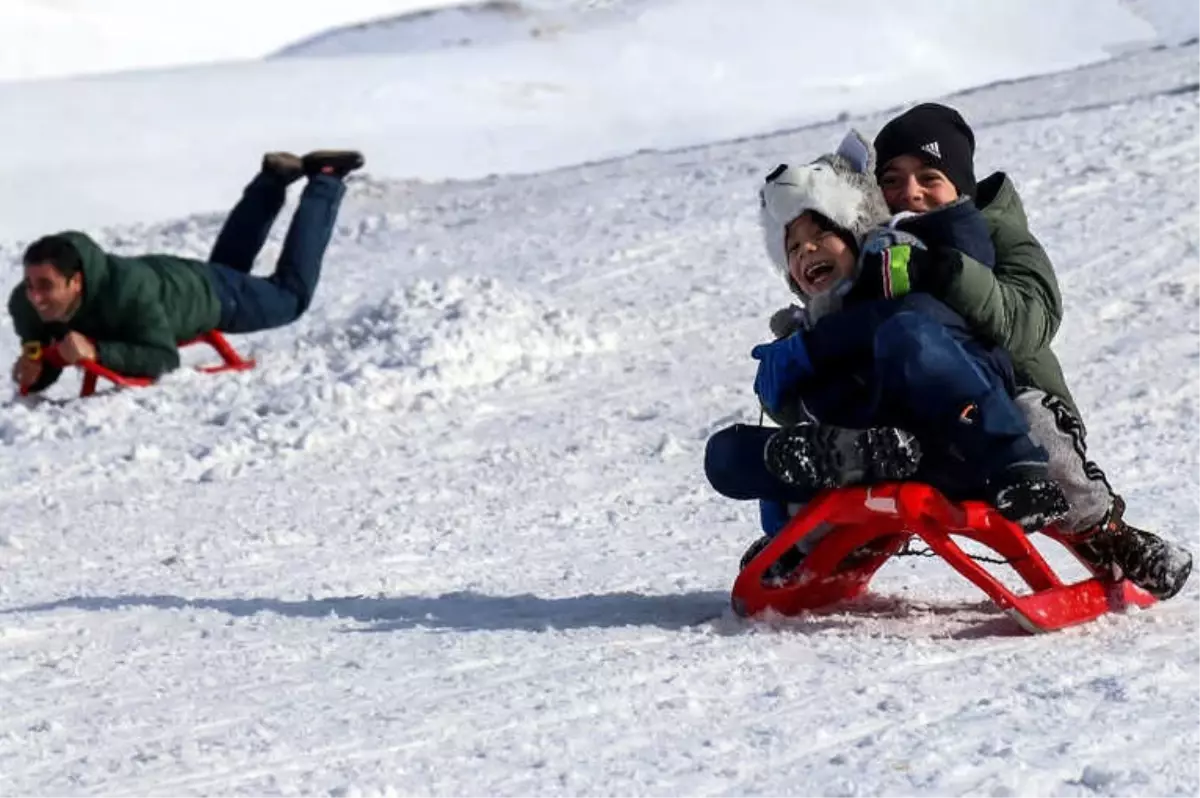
point(92, 370)
point(48, 354)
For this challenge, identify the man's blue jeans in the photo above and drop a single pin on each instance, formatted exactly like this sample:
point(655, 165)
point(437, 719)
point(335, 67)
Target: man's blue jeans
point(249, 303)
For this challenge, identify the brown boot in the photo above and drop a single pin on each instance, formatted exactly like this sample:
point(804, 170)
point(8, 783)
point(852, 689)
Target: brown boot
point(335, 163)
point(284, 165)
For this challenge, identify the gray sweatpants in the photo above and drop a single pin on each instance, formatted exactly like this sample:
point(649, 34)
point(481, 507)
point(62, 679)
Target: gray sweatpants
point(1061, 432)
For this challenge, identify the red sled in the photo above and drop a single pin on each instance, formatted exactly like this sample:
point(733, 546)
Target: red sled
point(865, 526)
point(93, 371)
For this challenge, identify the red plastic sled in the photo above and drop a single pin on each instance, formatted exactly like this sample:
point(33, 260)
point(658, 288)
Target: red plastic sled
point(868, 525)
point(93, 371)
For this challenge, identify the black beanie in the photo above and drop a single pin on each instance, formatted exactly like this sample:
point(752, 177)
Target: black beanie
point(936, 134)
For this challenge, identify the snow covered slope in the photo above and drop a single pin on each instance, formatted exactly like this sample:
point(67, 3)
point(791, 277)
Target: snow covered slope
point(621, 78)
point(483, 24)
point(452, 536)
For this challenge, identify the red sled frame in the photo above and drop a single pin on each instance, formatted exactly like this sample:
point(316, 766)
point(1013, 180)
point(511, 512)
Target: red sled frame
point(868, 525)
point(93, 371)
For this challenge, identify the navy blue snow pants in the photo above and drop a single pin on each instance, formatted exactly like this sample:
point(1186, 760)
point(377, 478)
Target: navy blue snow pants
point(922, 379)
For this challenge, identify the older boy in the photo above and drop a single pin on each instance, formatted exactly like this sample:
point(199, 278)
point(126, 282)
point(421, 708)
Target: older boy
point(926, 162)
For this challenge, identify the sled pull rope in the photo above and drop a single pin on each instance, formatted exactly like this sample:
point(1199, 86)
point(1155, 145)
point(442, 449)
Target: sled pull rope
point(908, 551)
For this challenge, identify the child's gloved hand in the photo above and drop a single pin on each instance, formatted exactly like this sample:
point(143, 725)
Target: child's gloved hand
point(902, 268)
point(786, 321)
point(781, 366)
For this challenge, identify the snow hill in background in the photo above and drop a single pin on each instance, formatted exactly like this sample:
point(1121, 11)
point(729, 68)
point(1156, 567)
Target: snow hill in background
point(1175, 21)
point(674, 73)
point(494, 22)
point(59, 38)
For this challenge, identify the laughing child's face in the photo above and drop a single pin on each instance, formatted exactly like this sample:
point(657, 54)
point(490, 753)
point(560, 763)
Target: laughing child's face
point(818, 257)
point(909, 184)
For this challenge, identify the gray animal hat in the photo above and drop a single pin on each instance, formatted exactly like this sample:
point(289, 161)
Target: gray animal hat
point(839, 185)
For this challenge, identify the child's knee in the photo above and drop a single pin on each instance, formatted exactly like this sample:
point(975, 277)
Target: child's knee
point(719, 456)
point(728, 457)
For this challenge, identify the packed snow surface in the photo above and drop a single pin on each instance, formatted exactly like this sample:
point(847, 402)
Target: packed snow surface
point(452, 535)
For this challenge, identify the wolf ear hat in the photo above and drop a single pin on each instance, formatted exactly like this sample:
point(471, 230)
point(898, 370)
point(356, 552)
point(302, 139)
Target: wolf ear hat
point(839, 185)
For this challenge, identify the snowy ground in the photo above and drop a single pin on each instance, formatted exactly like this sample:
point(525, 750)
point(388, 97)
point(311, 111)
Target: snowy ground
point(452, 536)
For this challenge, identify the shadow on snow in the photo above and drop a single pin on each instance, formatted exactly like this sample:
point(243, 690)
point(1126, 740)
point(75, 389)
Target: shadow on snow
point(463, 611)
point(471, 611)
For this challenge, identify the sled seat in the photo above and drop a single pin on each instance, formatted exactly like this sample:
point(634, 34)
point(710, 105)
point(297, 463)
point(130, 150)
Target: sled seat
point(93, 371)
point(860, 528)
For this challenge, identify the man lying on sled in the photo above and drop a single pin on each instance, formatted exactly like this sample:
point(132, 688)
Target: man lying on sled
point(882, 383)
point(129, 313)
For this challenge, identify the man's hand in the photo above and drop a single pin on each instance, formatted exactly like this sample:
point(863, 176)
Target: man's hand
point(76, 347)
point(26, 371)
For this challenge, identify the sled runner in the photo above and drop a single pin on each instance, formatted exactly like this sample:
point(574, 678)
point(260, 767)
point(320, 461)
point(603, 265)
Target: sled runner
point(93, 371)
point(865, 526)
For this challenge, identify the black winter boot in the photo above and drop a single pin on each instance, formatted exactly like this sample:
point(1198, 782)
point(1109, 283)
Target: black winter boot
point(1026, 495)
point(335, 163)
point(818, 456)
point(778, 570)
point(1114, 549)
point(283, 165)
